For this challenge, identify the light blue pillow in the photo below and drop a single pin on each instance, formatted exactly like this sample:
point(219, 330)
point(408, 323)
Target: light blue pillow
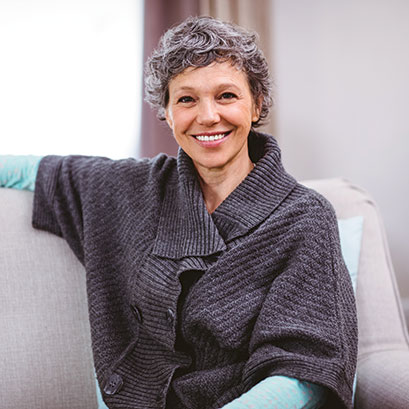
point(350, 232)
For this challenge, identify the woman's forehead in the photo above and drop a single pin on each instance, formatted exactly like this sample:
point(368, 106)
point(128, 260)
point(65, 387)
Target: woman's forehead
point(215, 74)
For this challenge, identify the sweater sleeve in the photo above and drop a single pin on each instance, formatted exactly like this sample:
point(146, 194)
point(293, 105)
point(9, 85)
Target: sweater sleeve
point(276, 392)
point(307, 327)
point(19, 172)
point(65, 186)
point(73, 193)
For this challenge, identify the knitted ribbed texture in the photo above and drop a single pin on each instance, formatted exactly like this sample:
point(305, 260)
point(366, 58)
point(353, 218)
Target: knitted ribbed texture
point(274, 296)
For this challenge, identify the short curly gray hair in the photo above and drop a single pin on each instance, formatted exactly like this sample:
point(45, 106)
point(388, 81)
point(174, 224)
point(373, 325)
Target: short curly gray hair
point(198, 42)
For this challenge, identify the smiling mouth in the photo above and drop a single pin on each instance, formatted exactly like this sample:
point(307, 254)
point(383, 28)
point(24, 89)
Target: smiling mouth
point(211, 137)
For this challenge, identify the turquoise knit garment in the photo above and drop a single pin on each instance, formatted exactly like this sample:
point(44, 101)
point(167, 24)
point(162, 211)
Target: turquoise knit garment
point(19, 172)
point(275, 392)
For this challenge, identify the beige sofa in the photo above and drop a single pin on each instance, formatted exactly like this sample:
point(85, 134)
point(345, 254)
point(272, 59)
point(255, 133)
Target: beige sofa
point(45, 355)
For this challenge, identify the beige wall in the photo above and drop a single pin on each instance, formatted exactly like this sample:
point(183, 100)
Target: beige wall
point(341, 70)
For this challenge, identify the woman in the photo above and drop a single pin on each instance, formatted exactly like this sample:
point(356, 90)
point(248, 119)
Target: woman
point(214, 278)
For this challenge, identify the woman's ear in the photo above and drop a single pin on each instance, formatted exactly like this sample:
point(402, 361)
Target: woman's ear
point(168, 117)
point(257, 108)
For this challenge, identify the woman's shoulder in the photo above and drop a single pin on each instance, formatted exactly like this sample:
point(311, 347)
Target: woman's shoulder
point(308, 211)
point(154, 167)
point(311, 201)
point(93, 174)
point(129, 171)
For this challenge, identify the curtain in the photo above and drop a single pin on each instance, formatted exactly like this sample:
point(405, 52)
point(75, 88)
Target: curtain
point(159, 16)
point(254, 15)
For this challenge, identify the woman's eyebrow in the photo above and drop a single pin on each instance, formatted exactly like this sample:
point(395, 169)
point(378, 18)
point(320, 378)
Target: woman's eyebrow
point(217, 87)
point(228, 85)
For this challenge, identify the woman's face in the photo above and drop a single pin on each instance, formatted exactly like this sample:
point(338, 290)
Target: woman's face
point(210, 112)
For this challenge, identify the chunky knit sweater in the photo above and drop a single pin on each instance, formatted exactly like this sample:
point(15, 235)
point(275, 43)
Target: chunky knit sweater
point(269, 292)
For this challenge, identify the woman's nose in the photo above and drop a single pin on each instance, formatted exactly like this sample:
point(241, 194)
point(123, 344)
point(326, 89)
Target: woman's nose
point(208, 113)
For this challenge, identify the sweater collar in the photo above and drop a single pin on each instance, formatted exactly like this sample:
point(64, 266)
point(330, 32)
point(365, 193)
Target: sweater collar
point(185, 226)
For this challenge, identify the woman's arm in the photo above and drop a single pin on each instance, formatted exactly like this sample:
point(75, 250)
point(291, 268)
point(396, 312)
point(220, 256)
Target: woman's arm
point(19, 172)
point(278, 392)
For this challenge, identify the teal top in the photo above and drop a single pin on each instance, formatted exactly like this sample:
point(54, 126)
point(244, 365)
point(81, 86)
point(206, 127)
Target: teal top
point(274, 392)
point(19, 172)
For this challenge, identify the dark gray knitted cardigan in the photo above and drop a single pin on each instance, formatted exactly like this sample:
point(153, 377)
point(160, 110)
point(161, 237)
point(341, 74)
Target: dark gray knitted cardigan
point(269, 295)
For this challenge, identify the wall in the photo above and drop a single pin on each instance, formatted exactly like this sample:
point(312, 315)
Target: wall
point(341, 70)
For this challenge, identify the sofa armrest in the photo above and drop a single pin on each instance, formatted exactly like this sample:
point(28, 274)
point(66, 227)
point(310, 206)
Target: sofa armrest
point(383, 380)
point(45, 346)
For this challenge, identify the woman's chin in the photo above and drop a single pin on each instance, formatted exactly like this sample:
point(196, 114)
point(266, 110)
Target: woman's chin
point(210, 165)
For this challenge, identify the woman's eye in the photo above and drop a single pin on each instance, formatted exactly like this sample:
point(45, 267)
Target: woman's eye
point(185, 99)
point(228, 95)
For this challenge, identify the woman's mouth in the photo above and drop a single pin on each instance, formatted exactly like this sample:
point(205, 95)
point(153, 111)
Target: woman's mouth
point(211, 137)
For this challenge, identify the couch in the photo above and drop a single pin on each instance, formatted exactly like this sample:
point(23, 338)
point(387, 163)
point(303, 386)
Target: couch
point(45, 354)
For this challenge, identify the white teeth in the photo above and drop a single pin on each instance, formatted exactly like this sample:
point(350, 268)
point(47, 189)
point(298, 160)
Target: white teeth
point(205, 138)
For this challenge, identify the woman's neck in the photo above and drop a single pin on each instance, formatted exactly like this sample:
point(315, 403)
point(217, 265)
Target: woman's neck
point(217, 184)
